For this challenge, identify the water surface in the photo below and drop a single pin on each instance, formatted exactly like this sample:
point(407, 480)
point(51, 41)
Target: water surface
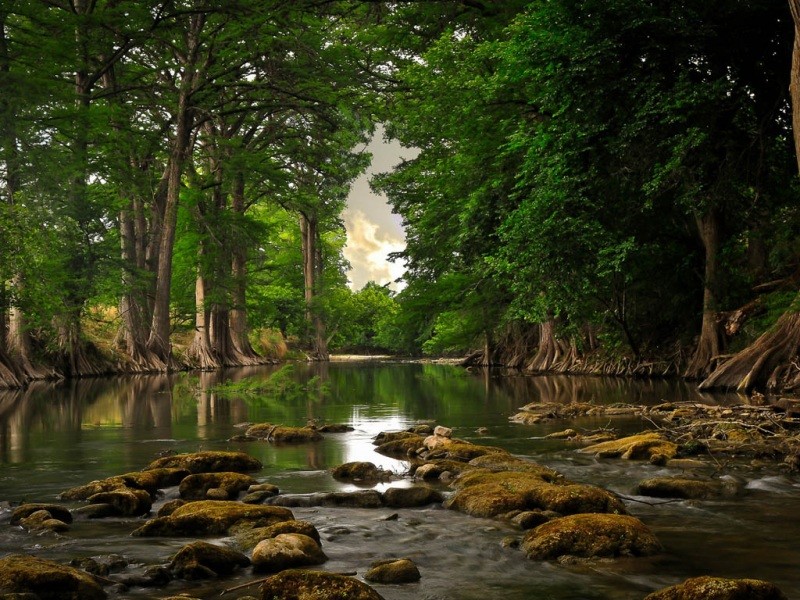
point(53, 438)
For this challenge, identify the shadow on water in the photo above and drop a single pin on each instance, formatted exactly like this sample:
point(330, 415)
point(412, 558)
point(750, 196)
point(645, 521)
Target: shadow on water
point(55, 437)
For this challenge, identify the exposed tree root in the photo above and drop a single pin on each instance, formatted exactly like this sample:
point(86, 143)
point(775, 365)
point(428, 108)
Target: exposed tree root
point(768, 363)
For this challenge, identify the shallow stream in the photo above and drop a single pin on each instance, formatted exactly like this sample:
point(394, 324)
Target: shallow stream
point(53, 438)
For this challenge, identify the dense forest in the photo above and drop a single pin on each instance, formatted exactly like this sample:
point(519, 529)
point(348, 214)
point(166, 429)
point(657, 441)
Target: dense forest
point(602, 187)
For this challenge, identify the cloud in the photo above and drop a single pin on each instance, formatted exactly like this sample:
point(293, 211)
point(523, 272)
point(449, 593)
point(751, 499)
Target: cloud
point(368, 246)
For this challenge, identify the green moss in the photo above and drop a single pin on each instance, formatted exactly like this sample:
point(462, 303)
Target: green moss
point(208, 462)
point(196, 486)
point(642, 446)
point(717, 588)
point(296, 584)
point(20, 573)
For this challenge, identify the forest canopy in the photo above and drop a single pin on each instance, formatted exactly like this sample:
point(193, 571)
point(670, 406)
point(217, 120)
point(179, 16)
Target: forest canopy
point(601, 187)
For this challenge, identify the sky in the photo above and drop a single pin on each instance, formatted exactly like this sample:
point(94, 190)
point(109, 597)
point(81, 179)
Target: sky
point(372, 230)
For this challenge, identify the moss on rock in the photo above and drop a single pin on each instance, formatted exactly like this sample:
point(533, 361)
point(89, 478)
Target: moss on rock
point(642, 447)
point(590, 536)
point(201, 560)
point(213, 517)
point(282, 434)
point(48, 580)
point(410, 497)
point(483, 493)
point(55, 511)
point(197, 485)
point(125, 501)
point(208, 462)
point(394, 570)
point(250, 538)
point(360, 471)
point(400, 447)
point(297, 584)
point(286, 551)
point(717, 588)
point(684, 487)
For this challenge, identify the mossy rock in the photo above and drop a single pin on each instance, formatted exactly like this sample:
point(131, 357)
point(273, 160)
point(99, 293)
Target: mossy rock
point(357, 499)
point(402, 446)
point(83, 492)
point(411, 497)
point(213, 517)
point(717, 588)
point(297, 584)
point(286, 551)
point(434, 469)
point(590, 536)
point(208, 462)
point(154, 479)
point(464, 451)
point(395, 570)
point(636, 447)
point(197, 486)
point(505, 462)
point(41, 520)
point(359, 471)
point(283, 435)
point(125, 501)
point(684, 487)
point(488, 494)
point(336, 428)
point(56, 511)
point(48, 580)
point(201, 560)
point(384, 437)
point(250, 538)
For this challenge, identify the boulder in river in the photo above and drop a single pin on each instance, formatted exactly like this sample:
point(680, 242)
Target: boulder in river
point(717, 588)
point(213, 517)
point(686, 487)
point(283, 435)
point(394, 570)
point(227, 483)
point(357, 499)
point(482, 493)
point(411, 497)
point(286, 551)
point(298, 584)
point(360, 471)
point(125, 501)
point(439, 469)
point(56, 511)
point(249, 539)
point(41, 520)
point(590, 536)
point(48, 580)
point(498, 462)
point(400, 446)
point(201, 560)
point(643, 446)
point(208, 462)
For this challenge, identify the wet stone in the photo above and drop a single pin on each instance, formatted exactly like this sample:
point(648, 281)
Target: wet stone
point(47, 580)
point(296, 584)
point(399, 570)
point(410, 497)
point(359, 471)
point(214, 486)
point(56, 511)
point(358, 499)
point(201, 560)
point(286, 551)
point(208, 462)
point(717, 588)
point(250, 538)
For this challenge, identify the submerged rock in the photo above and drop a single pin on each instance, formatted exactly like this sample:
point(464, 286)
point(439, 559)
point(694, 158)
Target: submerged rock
point(483, 493)
point(395, 570)
point(360, 471)
point(335, 428)
point(48, 580)
point(498, 462)
point(212, 517)
point(296, 584)
point(357, 499)
point(201, 560)
point(283, 434)
point(125, 501)
point(227, 484)
point(286, 551)
point(410, 497)
point(250, 538)
point(590, 536)
point(208, 462)
point(717, 588)
point(643, 446)
point(41, 520)
point(685, 487)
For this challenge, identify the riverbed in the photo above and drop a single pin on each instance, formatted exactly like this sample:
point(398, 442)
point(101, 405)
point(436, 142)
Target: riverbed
point(56, 437)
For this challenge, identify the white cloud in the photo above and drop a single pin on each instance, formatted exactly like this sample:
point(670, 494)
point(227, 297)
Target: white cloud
point(367, 249)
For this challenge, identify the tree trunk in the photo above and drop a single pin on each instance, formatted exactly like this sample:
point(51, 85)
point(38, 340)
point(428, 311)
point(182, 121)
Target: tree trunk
point(200, 353)
point(238, 312)
point(312, 266)
point(771, 361)
point(158, 342)
point(549, 350)
point(712, 342)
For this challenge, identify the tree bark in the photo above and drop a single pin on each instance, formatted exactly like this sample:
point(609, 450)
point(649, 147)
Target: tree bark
point(711, 343)
point(312, 267)
point(549, 350)
point(159, 342)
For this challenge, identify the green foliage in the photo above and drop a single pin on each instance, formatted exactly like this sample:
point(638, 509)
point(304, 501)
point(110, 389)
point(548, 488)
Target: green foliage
point(284, 385)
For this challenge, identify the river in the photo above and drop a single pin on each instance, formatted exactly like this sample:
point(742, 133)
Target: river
point(56, 437)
